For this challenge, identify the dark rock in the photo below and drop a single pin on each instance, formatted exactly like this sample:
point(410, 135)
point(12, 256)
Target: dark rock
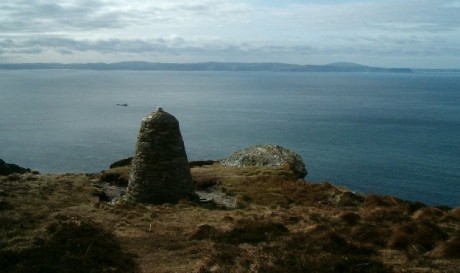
point(268, 156)
point(121, 163)
point(160, 172)
point(127, 162)
point(102, 195)
point(5, 205)
point(114, 178)
point(201, 163)
point(7, 169)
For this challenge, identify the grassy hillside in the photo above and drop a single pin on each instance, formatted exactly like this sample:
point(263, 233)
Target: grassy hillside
point(262, 220)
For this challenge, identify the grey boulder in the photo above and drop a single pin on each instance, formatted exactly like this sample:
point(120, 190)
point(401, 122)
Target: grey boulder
point(268, 156)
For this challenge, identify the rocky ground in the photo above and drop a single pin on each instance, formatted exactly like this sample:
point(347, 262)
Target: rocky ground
point(251, 219)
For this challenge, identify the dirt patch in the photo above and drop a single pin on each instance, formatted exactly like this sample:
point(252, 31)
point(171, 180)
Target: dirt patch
point(217, 196)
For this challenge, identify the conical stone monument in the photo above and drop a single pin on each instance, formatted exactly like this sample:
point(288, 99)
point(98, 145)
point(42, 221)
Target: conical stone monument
point(160, 171)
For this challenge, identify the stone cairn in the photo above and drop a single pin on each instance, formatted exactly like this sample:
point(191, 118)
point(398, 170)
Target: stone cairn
point(160, 171)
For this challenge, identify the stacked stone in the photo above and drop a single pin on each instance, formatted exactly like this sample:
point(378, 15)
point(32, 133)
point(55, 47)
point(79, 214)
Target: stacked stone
point(160, 171)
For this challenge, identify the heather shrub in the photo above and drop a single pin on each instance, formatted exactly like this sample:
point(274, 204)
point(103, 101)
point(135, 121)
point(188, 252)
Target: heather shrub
point(253, 231)
point(72, 247)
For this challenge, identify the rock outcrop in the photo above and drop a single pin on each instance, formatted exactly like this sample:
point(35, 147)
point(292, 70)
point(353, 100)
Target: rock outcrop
point(7, 169)
point(269, 156)
point(121, 163)
point(160, 171)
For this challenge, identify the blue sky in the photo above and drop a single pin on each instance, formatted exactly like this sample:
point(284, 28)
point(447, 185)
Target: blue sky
point(388, 33)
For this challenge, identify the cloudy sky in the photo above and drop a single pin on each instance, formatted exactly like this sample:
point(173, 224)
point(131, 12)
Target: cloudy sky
point(389, 33)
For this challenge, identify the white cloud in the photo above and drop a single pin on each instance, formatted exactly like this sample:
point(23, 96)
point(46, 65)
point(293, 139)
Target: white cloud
point(205, 30)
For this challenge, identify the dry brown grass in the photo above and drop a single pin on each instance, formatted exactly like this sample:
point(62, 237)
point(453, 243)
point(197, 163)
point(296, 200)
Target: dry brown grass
point(281, 225)
point(421, 236)
point(428, 214)
point(318, 249)
point(70, 246)
point(448, 249)
point(350, 218)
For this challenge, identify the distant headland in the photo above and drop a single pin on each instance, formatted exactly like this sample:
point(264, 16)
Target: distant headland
point(207, 66)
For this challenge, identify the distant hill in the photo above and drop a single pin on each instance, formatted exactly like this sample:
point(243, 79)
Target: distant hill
point(206, 66)
point(345, 64)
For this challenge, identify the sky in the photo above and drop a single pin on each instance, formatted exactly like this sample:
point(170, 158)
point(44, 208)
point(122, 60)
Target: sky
point(386, 33)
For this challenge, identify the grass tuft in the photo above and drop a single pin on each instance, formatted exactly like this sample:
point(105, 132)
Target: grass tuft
point(205, 232)
point(350, 218)
point(428, 214)
point(421, 236)
point(449, 249)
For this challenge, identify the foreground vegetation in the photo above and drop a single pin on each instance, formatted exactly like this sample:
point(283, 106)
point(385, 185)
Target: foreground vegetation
point(268, 222)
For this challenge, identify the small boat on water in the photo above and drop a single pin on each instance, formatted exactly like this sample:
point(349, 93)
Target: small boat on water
point(122, 104)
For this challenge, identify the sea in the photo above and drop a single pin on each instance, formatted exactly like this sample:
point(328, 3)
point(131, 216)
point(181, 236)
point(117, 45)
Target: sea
point(374, 133)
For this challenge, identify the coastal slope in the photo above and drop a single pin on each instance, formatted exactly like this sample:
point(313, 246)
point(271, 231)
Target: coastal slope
point(250, 219)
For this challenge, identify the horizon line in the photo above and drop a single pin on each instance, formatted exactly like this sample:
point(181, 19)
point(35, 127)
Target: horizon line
point(339, 64)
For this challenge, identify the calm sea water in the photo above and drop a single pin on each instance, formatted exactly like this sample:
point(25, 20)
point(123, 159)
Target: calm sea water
point(395, 134)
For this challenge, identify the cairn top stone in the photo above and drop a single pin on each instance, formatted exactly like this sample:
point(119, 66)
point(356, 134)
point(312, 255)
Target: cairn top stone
point(160, 116)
